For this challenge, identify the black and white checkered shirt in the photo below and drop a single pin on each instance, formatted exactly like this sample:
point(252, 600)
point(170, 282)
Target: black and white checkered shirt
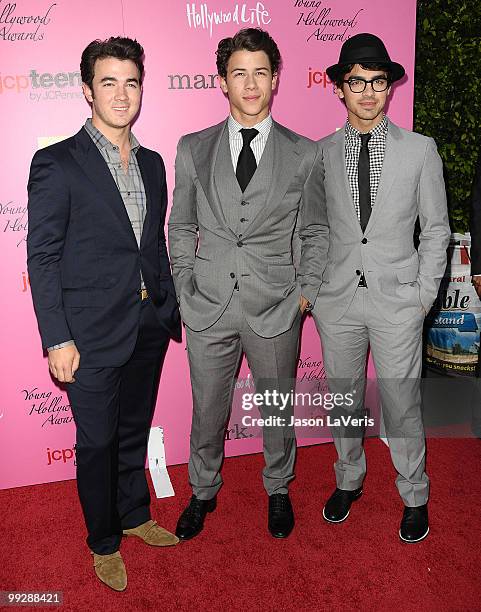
point(377, 148)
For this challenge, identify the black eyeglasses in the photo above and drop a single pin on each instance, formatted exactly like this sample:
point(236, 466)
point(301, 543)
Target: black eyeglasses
point(358, 85)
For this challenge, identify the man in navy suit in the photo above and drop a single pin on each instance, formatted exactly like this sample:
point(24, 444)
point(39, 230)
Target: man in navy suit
point(104, 297)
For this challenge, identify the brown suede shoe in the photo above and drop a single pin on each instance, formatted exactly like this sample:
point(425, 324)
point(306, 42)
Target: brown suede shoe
point(111, 570)
point(153, 534)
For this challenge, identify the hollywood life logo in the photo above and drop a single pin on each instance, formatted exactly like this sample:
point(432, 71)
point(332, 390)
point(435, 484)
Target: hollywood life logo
point(61, 454)
point(43, 86)
point(245, 15)
point(15, 26)
point(322, 26)
point(14, 221)
point(49, 407)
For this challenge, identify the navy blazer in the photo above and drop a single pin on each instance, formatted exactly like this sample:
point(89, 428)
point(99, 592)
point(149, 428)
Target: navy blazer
point(84, 262)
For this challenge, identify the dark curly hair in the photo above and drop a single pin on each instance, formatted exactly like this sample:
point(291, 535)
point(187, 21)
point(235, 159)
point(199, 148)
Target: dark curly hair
point(116, 46)
point(248, 39)
point(339, 80)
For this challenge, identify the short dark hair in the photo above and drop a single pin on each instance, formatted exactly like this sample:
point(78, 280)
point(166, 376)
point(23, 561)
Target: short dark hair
point(367, 66)
point(248, 39)
point(115, 46)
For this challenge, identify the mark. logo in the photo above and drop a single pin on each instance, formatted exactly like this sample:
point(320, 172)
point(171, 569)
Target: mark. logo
point(195, 81)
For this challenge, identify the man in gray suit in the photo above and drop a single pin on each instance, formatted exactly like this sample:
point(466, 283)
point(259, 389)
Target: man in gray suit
point(246, 198)
point(376, 287)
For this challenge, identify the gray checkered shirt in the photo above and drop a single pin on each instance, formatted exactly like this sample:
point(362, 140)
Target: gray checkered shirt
point(130, 185)
point(377, 148)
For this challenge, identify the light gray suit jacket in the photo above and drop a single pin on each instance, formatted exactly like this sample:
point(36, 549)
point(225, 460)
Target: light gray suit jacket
point(276, 259)
point(400, 278)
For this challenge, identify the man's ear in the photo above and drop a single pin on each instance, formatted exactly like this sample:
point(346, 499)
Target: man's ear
point(339, 92)
point(88, 93)
point(223, 84)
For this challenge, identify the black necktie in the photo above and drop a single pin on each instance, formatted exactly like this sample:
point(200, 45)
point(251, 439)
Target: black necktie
point(363, 182)
point(246, 164)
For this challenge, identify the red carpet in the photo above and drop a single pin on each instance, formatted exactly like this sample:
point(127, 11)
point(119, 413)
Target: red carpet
point(235, 565)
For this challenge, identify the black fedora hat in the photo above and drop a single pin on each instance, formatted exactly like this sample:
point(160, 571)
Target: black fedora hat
point(364, 49)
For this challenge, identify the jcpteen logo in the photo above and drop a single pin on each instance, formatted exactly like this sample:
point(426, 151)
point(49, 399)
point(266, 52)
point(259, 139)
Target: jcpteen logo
point(43, 85)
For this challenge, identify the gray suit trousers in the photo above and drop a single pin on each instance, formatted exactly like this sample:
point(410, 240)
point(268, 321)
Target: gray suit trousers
point(397, 355)
point(214, 357)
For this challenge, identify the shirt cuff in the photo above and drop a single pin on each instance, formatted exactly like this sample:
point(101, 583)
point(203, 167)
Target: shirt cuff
point(61, 345)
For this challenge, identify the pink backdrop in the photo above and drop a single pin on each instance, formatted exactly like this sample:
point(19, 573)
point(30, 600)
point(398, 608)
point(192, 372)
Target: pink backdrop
point(41, 101)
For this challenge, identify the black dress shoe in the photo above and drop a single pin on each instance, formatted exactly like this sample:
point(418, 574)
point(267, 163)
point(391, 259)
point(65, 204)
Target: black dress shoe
point(281, 515)
point(191, 521)
point(338, 505)
point(414, 524)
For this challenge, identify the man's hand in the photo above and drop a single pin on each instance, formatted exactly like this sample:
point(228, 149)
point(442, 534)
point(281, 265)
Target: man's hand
point(477, 284)
point(303, 303)
point(64, 362)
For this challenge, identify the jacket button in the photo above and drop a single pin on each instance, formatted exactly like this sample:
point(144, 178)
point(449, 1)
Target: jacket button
point(244, 203)
point(243, 220)
point(358, 272)
point(364, 241)
point(240, 243)
point(232, 275)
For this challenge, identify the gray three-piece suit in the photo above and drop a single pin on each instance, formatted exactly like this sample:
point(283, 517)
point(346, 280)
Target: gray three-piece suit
point(240, 263)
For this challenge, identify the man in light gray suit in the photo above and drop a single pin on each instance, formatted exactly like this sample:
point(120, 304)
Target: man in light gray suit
point(376, 287)
point(246, 198)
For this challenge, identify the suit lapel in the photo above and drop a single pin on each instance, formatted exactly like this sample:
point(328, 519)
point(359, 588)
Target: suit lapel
point(287, 159)
point(337, 161)
point(147, 172)
point(392, 155)
point(204, 155)
point(89, 158)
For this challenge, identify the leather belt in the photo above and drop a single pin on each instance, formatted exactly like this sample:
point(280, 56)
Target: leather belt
point(143, 294)
point(362, 281)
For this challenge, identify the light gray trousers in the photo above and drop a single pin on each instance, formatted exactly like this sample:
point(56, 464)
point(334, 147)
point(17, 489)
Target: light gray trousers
point(397, 356)
point(214, 357)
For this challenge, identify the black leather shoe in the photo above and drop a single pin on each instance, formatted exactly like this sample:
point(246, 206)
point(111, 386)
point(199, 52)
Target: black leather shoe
point(414, 524)
point(281, 515)
point(338, 505)
point(191, 521)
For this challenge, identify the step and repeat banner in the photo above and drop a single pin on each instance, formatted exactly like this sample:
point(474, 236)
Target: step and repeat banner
point(41, 102)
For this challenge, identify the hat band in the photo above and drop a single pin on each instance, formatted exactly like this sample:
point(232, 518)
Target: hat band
point(366, 53)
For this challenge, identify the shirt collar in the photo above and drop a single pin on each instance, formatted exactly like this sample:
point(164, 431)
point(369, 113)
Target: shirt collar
point(104, 143)
point(263, 127)
point(377, 133)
